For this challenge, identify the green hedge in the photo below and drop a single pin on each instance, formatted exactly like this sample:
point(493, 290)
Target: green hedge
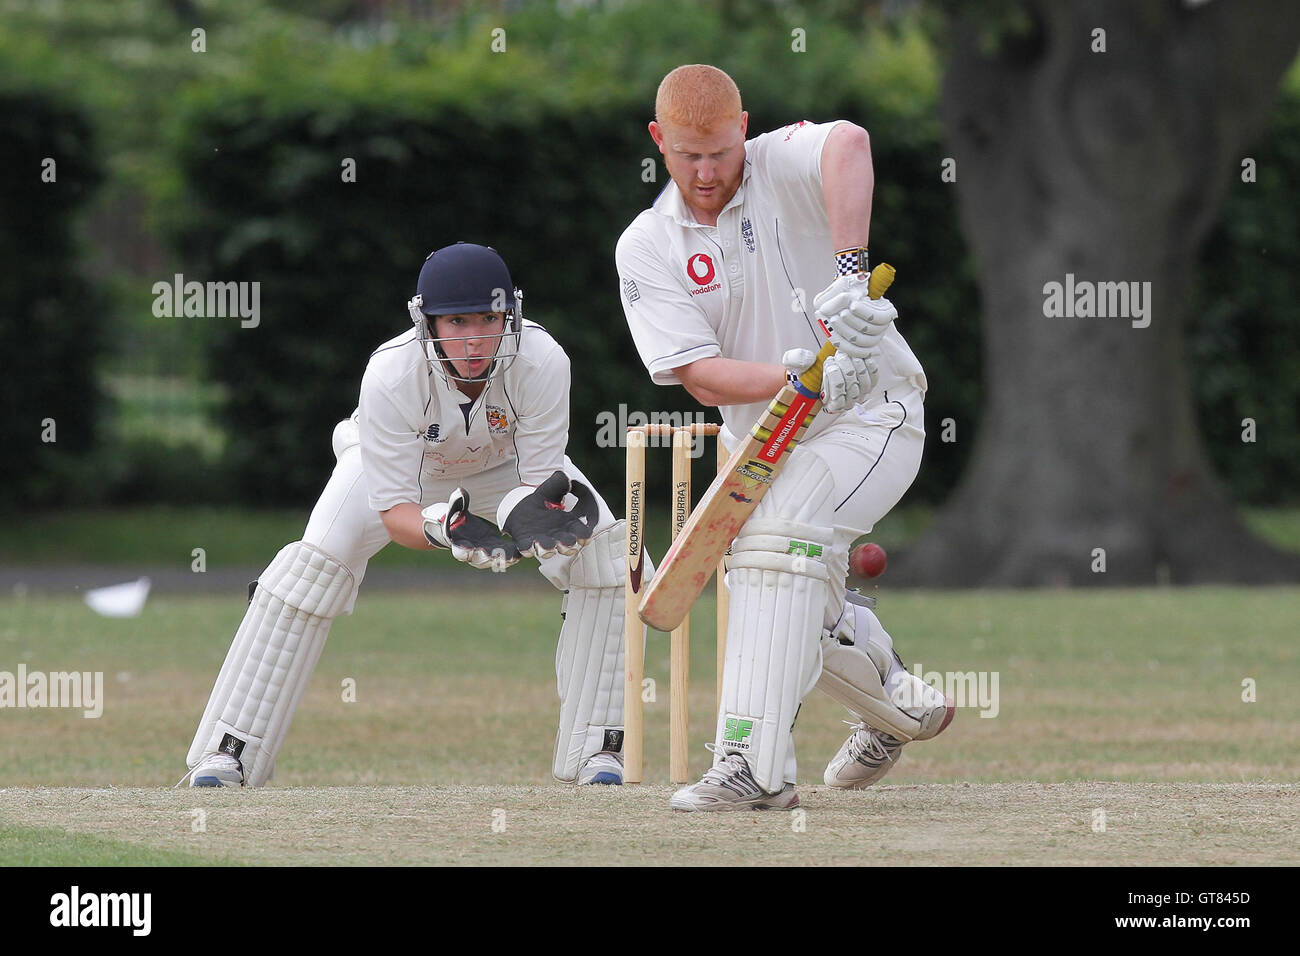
point(538, 151)
point(49, 334)
point(495, 150)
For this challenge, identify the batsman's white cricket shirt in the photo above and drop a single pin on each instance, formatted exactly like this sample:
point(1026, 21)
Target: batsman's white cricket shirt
point(417, 429)
point(743, 289)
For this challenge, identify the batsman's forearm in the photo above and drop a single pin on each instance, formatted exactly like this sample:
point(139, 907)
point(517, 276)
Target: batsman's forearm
point(847, 182)
point(724, 381)
point(405, 525)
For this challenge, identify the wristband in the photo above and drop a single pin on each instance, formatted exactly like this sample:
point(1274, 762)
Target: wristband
point(793, 380)
point(850, 262)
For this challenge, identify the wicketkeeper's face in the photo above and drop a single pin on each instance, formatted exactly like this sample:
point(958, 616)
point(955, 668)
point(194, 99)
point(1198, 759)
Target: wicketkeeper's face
point(707, 166)
point(470, 341)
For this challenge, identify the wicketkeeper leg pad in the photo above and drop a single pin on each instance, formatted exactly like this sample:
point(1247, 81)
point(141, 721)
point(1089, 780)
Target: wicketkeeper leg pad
point(862, 672)
point(778, 586)
point(589, 658)
point(272, 658)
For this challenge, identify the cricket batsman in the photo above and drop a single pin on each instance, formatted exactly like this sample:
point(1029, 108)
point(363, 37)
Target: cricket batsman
point(732, 280)
point(458, 442)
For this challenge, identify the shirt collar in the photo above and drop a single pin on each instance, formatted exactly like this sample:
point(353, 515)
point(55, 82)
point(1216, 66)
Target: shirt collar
point(671, 204)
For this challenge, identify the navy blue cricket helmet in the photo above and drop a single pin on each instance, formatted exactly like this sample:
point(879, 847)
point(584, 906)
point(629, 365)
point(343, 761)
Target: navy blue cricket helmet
point(466, 278)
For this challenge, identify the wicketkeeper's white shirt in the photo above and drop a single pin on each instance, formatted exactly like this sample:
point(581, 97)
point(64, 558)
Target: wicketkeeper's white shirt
point(416, 429)
point(742, 289)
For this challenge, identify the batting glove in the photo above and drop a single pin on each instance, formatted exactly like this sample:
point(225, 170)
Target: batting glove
point(796, 362)
point(855, 322)
point(846, 380)
point(471, 539)
point(537, 521)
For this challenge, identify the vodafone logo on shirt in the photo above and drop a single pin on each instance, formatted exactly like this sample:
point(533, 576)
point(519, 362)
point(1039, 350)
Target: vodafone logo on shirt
point(794, 128)
point(700, 268)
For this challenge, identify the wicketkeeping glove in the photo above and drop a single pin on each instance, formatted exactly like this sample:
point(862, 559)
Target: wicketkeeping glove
point(535, 517)
point(855, 322)
point(472, 539)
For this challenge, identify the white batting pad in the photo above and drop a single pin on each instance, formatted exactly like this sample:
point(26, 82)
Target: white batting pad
point(272, 657)
point(805, 492)
point(867, 678)
point(778, 588)
point(589, 658)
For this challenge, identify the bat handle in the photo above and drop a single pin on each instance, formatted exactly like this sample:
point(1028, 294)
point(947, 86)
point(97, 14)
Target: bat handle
point(811, 380)
point(882, 277)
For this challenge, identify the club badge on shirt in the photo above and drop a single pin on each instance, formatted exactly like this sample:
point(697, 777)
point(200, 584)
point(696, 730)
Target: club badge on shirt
point(496, 419)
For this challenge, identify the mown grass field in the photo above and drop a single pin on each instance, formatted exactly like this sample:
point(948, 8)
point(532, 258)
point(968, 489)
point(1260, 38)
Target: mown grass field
point(238, 536)
point(1128, 702)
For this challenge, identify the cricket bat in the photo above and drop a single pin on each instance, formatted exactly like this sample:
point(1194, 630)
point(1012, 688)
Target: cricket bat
point(735, 493)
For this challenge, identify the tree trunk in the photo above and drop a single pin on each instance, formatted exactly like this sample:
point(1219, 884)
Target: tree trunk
point(1109, 166)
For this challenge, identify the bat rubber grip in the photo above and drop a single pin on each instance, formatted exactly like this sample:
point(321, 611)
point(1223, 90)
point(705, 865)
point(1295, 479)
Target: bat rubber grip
point(812, 378)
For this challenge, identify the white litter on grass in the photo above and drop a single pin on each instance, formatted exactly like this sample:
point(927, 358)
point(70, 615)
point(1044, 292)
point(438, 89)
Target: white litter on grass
point(119, 600)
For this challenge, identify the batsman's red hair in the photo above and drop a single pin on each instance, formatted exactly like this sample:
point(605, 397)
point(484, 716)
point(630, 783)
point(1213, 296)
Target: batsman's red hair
point(697, 96)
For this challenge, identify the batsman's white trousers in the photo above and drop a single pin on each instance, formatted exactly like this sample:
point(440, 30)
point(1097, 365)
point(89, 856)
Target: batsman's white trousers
point(873, 454)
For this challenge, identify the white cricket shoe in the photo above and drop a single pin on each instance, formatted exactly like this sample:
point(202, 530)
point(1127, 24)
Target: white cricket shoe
point(604, 767)
point(218, 770)
point(869, 753)
point(731, 786)
point(866, 756)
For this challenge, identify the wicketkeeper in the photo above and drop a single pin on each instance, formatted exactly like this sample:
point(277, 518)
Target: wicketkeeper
point(458, 442)
point(730, 282)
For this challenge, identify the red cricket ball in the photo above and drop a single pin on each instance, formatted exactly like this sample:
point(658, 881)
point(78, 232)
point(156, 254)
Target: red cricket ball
point(867, 560)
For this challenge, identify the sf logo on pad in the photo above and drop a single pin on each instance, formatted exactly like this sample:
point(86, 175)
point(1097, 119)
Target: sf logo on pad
point(737, 731)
